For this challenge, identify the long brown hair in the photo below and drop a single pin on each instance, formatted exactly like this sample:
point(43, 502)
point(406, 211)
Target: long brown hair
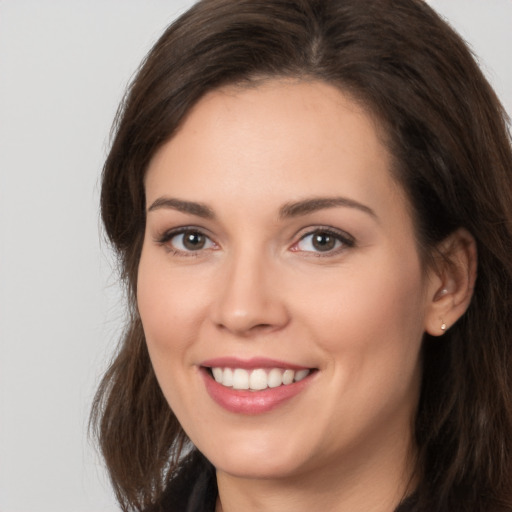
point(448, 134)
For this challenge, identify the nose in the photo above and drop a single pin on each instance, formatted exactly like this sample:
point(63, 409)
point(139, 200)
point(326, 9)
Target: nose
point(251, 299)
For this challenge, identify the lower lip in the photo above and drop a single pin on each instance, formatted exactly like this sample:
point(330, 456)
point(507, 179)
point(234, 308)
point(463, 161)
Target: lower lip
point(251, 402)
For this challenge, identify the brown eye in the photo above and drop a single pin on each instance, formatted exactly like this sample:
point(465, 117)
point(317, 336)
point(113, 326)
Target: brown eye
point(187, 241)
point(323, 241)
point(193, 241)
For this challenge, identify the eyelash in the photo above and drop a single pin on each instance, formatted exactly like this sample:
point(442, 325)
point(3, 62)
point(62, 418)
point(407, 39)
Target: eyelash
point(344, 241)
point(166, 238)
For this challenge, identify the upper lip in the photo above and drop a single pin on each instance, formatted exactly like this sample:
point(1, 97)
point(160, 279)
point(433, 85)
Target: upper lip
point(250, 364)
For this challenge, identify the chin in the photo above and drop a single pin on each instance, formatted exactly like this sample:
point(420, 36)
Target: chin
point(256, 467)
point(258, 459)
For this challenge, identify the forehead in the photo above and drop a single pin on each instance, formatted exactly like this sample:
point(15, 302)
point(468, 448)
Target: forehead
point(283, 138)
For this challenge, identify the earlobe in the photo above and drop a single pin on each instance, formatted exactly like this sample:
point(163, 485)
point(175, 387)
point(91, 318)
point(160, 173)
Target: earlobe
point(452, 282)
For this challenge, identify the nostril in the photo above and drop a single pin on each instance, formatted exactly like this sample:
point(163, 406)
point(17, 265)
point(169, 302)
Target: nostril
point(245, 330)
point(244, 325)
point(261, 327)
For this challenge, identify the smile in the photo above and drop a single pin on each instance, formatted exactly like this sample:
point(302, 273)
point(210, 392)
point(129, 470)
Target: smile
point(254, 386)
point(258, 379)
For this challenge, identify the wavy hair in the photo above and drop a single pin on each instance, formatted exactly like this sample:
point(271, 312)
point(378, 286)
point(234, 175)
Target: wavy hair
point(449, 137)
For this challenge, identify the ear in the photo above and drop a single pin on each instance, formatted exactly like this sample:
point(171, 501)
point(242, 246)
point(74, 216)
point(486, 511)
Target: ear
point(451, 282)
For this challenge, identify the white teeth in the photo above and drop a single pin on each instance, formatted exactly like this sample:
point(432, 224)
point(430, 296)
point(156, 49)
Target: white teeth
point(301, 374)
point(288, 376)
point(240, 379)
point(274, 378)
point(258, 379)
point(217, 374)
point(227, 377)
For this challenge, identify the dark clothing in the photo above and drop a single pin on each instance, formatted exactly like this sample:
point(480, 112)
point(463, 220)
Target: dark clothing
point(194, 489)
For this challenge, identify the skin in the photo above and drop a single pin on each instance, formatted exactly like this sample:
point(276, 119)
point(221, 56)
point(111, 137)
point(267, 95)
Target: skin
point(260, 288)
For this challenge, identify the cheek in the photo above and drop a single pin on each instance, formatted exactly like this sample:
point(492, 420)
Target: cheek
point(168, 305)
point(169, 312)
point(370, 331)
point(371, 319)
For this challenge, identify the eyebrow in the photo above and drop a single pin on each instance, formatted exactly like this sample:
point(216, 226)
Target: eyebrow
point(292, 209)
point(191, 207)
point(298, 208)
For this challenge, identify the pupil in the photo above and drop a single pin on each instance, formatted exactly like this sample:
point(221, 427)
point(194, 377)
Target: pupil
point(193, 240)
point(323, 242)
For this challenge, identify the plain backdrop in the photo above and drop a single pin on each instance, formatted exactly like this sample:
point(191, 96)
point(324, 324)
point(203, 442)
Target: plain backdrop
point(64, 65)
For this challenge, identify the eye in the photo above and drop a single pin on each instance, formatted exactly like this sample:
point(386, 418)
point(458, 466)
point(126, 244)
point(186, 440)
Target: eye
point(186, 241)
point(323, 241)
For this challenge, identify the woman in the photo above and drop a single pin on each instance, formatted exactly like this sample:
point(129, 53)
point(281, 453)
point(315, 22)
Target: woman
point(304, 196)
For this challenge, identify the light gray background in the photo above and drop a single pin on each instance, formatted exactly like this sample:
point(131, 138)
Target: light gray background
point(63, 67)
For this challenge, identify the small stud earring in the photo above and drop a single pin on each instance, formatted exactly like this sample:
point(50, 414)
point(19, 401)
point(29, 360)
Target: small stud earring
point(443, 327)
point(441, 293)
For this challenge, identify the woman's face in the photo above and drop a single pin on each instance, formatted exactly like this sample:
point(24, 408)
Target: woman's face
point(279, 256)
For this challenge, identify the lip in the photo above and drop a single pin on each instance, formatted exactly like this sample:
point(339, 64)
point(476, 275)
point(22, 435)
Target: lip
point(250, 364)
point(251, 402)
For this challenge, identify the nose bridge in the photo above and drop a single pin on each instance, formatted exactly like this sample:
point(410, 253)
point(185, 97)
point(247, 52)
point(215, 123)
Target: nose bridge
point(249, 299)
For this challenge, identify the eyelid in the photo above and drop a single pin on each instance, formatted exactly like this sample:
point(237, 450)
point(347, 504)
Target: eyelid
point(166, 236)
point(347, 240)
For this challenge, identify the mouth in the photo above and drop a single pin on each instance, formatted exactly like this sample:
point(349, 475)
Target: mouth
point(254, 386)
point(257, 379)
